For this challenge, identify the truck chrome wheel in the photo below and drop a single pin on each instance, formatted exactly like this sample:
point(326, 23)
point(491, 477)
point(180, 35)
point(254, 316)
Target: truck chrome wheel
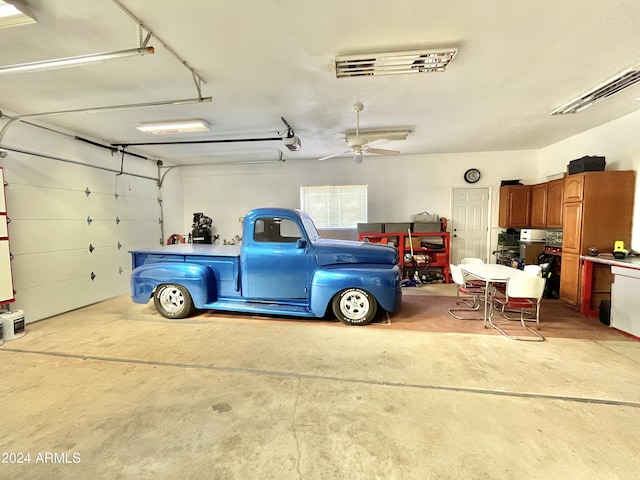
point(354, 306)
point(173, 301)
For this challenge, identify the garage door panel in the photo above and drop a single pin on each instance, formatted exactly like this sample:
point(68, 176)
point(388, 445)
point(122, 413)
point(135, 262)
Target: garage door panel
point(62, 297)
point(138, 208)
point(137, 233)
point(35, 236)
point(52, 203)
point(41, 269)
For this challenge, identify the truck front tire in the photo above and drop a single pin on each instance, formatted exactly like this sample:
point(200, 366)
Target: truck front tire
point(173, 301)
point(354, 306)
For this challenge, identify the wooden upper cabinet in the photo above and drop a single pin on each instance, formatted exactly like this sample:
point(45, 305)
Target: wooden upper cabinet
point(574, 188)
point(555, 200)
point(515, 206)
point(539, 202)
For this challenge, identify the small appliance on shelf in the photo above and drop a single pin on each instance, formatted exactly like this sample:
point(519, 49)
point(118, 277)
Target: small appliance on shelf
point(619, 251)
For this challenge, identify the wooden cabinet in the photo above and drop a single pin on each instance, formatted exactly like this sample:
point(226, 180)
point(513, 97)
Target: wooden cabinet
point(598, 210)
point(547, 200)
point(539, 202)
point(439, 257)
point(515, 206)
point(534, 206)
point(573, 188)
point(572, 228)
point(555, 201)
point(570, 278)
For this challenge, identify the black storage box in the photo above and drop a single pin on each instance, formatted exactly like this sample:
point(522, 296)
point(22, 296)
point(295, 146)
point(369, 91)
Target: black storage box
point(510, 182)
point(587, 164)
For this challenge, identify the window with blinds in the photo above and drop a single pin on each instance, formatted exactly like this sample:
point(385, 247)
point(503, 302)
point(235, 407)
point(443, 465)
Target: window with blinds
point(335, 206)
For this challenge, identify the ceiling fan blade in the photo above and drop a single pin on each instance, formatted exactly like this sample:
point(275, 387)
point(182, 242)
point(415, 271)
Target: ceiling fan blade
point(382, 151)
point(334, 155)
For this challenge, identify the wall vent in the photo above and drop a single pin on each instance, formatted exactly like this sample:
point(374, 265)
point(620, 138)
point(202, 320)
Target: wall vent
point(391, 63)
point(612, 86)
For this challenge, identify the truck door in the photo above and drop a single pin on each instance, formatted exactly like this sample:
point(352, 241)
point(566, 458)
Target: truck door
point(275, 260)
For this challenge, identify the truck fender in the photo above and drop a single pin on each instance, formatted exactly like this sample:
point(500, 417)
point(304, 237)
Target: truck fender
point(199, 280)
point(382, 281)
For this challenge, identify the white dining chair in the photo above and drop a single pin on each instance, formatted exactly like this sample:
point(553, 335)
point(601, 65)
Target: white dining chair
point(523, 294)
point(465, 295)
point(471, 261)
point(470, 281)
point(533, 269)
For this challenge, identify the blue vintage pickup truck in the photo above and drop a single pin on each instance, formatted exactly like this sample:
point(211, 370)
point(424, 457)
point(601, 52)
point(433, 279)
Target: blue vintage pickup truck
point(283, 267)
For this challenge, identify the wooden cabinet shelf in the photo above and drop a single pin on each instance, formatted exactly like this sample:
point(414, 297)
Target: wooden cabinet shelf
point(439, 257)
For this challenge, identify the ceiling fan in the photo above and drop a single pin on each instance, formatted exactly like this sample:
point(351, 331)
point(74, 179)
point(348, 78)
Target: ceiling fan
point(359, 144)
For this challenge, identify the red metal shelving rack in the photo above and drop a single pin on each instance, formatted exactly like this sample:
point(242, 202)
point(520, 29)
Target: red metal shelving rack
point(440, 257)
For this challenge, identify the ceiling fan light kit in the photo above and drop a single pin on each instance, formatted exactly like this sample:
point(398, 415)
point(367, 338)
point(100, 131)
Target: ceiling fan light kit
point(358, 143)
point(392, 63)
point(373, 135)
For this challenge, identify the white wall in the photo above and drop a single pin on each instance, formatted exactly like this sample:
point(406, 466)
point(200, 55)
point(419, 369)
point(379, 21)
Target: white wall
point(172, 196)
point(49, 235)
point(398, 186)
point(618, 141)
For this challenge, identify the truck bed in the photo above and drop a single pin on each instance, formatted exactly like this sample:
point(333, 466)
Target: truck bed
point(219, 279)
point(193, 249)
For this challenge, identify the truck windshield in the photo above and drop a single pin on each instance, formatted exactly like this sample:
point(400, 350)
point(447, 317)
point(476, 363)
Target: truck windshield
point(312, 232)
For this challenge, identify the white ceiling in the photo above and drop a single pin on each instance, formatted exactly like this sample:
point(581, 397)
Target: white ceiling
point(263, 59)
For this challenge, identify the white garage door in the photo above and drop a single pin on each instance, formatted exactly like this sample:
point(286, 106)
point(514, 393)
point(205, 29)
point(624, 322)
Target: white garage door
point(71, 228)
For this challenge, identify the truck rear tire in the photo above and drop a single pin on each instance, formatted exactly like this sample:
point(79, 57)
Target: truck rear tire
point(354, 306)
point(173, 301)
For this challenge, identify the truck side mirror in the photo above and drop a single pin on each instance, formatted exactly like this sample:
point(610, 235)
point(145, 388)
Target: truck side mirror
point(301, 243)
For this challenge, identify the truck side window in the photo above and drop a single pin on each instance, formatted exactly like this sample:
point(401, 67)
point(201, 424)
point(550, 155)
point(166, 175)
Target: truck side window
point(279, 230)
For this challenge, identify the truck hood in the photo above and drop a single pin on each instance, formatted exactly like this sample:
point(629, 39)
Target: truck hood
point(330, 252)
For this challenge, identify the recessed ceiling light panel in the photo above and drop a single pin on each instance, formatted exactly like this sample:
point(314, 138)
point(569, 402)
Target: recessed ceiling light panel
point(175, 126)
point(392, 63)
point(623, 80)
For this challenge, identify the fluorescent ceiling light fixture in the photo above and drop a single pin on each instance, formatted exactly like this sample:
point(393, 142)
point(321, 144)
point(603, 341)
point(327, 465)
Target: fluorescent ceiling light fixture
point(391, 63)
point(175, 126)
point(15, 13)
point(73, 61)
point(615, 84)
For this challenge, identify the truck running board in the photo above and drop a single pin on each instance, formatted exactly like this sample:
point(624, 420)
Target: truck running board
point(268, 308)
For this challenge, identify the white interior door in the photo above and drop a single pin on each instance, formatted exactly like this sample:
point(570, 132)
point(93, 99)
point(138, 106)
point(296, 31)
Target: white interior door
point(469, 225)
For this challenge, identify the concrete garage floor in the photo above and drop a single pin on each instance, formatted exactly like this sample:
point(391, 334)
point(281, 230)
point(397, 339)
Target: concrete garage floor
point(114, 391)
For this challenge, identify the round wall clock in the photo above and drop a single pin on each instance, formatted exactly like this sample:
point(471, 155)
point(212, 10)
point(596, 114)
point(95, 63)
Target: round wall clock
point(472, 175)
